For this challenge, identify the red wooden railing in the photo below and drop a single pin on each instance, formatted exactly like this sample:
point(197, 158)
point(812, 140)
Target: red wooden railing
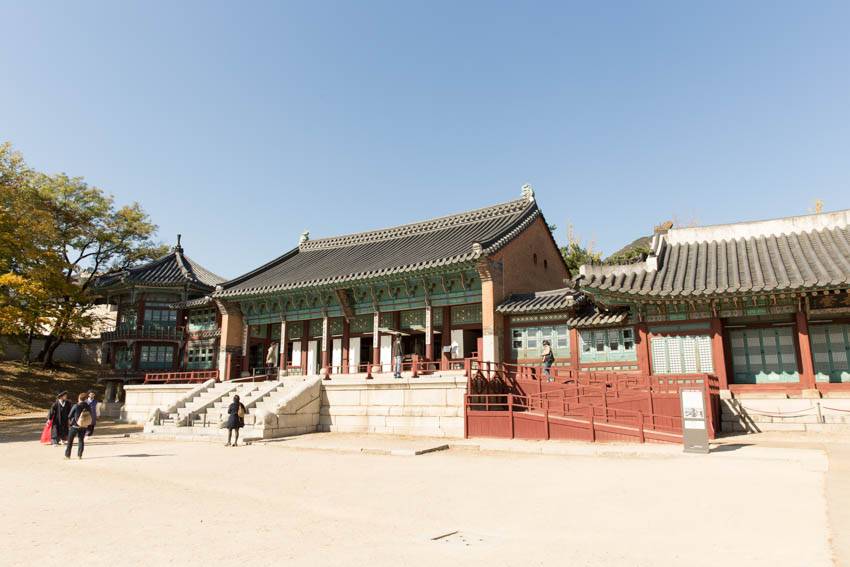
point(192, 377)
point(641, 403)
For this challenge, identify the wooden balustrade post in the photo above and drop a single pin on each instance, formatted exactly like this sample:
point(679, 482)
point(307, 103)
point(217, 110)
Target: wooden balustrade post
point(511, 412)
point(466, 416)
point(592, 427)
point(640, 424)
point(546, 415)
point(651, 410)
point(415, 366)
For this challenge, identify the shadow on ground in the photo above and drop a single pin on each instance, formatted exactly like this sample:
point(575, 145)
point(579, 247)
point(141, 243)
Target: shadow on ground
point(29, 429)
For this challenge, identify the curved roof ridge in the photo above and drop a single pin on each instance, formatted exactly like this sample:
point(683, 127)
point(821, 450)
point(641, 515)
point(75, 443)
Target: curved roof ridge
point(421, 227)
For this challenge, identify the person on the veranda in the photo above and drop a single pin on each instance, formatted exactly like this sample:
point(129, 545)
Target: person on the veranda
point(398, 356)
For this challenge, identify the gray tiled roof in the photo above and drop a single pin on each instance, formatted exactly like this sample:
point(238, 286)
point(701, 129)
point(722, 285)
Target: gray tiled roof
point(197, 302)
point(595, 317)
point(439, 242)
point(812, 251)
point(554, 300)
point(172, 269)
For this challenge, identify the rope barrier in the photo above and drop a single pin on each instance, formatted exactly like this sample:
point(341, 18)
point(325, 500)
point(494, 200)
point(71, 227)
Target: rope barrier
point(779, 414)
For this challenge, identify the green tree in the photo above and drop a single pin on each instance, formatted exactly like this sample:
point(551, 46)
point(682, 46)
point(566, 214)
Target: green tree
point(575, 255)
point(57, 234)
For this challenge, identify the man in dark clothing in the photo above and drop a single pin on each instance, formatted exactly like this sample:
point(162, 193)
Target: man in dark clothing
point(398, 356)
point(59, 413)
point(76, 430)
point(92, 402)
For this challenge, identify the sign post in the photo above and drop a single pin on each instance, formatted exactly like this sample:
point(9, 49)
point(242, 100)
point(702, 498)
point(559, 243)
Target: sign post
point(694, 421)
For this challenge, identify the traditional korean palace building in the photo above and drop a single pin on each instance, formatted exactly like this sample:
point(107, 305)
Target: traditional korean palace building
point(165, 320)
point(762, 305)
point(761, 310)
point(336, 303)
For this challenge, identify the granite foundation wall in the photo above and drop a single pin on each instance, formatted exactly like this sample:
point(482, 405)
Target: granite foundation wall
point(754, 412)
point(426, 406)
point(141, 400)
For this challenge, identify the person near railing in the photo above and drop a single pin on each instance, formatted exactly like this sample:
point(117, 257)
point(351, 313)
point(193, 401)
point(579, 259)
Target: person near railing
point(548, 360)
point(398, 356)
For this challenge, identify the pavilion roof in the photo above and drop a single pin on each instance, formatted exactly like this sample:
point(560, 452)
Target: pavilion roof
point(173, 269)
point(796, 253)
point(431, 244)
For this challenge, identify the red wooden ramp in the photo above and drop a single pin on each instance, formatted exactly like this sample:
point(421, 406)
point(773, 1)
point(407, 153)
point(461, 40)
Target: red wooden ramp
point(510, 401)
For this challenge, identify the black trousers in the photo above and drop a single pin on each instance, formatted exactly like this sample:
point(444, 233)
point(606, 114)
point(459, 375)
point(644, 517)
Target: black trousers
point(80, 434)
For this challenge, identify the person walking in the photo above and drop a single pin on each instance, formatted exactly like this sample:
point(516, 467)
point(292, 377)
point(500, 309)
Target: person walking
point(398, 356)
point(548, 360)
point(80, 419)
point(58, 417)
point(235, 421)
point(92, 402)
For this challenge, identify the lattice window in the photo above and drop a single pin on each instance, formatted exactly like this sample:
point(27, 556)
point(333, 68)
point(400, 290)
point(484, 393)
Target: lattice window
point(155, 356)
point(316, 327)
point(202, 319)
point(466, 314)
point(336, 326)
point(412, 318)
point(362, 324)
point(258, 331)
point(764, 355)
point(831, 352)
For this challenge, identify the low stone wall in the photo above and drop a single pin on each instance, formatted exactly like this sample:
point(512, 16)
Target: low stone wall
point(428, 405)
point(141, 400)
point(765, 411)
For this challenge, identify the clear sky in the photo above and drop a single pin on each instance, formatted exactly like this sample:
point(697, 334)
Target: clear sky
point(241, 124)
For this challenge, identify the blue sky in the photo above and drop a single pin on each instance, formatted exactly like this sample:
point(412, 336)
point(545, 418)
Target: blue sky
point(240, 124)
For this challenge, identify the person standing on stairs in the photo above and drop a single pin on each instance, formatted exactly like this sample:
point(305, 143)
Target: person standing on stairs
point(548, 360)
point(235, 421)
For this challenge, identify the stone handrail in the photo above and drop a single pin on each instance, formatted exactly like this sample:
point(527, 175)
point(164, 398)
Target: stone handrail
point(154, 417)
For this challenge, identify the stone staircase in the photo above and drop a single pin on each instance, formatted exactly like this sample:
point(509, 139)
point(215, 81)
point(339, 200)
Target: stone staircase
point(202, 415)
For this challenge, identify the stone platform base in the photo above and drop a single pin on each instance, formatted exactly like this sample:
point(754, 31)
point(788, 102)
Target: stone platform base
point(427, 405)
point(765, 411)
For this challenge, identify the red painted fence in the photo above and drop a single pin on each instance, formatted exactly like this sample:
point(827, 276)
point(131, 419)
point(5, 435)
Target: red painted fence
point(514, 401)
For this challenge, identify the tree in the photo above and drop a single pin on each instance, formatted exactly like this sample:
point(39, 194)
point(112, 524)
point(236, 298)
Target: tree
point(26, 258)
point(817, 206)
point(575, 255)
point(57, 234)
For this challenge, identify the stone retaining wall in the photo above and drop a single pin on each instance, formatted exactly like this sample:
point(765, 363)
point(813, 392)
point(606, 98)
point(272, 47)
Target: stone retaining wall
point(428, 405)
point(753, 412)
point(142, 399)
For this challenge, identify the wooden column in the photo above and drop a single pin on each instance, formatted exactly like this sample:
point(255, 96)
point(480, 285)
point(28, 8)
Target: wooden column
point(807, 368)
point(346, 332)
point(643, 354)
point(447, 336)
point(429, 334)
point(718, 353)
point(282, 353)
point(305, 343)
point(326, 336)
point(245, 345)
point(575, 350)
point(376, 339)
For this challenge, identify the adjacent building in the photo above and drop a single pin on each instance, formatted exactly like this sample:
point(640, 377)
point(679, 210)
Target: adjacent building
point(165, 321)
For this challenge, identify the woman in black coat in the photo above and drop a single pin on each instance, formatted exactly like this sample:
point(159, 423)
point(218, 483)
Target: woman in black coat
point(59, 412)
point(235, 421)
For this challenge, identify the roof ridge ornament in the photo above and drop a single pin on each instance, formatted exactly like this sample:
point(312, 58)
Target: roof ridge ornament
point(305, 236)
point(527, 192)
point(177, 247)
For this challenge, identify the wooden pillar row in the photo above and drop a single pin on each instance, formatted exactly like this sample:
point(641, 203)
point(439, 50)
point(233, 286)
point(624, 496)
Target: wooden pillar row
point(718, 353)
point(429, 334)
point(376, 338)
point(346, 334)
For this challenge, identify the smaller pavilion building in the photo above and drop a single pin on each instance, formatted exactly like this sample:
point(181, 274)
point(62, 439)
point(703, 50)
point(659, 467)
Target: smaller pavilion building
point(165, 320)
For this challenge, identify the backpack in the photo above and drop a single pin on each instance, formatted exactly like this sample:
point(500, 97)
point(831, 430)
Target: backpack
point(84, 419)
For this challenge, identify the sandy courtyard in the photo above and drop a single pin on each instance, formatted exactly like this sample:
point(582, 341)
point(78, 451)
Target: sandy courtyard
point(133, 502)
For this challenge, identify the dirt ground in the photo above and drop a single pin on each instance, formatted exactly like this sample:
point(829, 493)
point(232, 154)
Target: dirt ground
point(181, 503)
point(25, 389)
